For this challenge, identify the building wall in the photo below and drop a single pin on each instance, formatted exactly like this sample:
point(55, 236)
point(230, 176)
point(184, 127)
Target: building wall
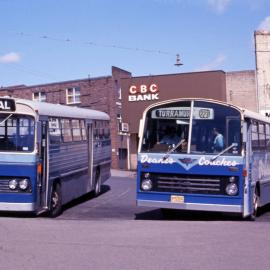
point(209, 84)
point(111, 93)
point(241, 89)
point(119, 141)
point(96, 93)
point(262, 50)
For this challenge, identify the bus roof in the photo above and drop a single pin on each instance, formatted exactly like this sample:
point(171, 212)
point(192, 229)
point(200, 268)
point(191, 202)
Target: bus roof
point(255, 115)
point(49, 109)
point(245, 113)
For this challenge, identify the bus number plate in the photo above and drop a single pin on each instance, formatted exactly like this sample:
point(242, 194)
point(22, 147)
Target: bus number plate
point(177, 199)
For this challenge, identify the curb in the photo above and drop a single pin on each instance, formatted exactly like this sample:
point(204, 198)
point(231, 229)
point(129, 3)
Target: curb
point(119, 173)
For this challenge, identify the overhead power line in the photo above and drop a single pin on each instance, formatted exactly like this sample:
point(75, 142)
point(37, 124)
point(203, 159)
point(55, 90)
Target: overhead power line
point(92, 43)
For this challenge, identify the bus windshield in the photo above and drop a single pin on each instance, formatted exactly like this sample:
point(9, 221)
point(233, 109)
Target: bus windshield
point(16, 133)
point(214, 128)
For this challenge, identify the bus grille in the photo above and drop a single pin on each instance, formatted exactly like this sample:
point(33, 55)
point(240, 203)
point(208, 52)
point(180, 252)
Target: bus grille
point(194, 184)
point(4, 184)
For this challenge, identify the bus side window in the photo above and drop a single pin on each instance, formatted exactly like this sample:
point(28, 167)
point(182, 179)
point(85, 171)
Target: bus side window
point(101, 130)
point(262, 141)
point(54, 131)
point(267, 133)
point(83, 130)
point(76, 130)
point(255, 136)
point(66, 130)
point(107, 130)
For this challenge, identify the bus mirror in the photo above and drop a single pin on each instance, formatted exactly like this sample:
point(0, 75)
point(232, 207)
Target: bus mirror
point(141, 128)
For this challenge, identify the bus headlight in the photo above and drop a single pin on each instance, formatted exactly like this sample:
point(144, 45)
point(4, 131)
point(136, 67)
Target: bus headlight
point(147, 185)
point(12, 184)
point(232, 189)
point(24, 184)
point(232, 179)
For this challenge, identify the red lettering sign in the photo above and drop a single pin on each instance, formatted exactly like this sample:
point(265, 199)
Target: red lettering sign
point(143, 89)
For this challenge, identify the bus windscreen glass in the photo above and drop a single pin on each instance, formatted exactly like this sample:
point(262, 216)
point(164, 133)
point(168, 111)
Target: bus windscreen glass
point(215, 128)
point(16, 133)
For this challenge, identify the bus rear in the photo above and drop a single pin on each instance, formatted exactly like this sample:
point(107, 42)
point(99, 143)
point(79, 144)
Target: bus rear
point(18, 166)
point(181, 166)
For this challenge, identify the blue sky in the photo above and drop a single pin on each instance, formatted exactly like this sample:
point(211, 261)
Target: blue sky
point(45, 41)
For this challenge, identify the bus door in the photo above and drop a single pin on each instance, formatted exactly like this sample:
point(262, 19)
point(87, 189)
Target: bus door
point(44, 170)
point(90, 154)
point(247, 166)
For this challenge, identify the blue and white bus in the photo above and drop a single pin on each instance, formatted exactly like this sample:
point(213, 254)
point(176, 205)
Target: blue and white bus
point(50, 154)
point(190, 173)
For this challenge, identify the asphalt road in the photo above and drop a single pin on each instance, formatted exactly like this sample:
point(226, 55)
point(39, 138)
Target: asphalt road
point(110, 232)
point(117, 201)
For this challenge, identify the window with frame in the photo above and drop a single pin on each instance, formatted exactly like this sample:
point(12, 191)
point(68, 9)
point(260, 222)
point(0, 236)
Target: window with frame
point(39, 96)
point(66, 130)
point(262, 141)
point(16, 132)
point(96, 132)
point(83, 130)
point(255, 136)
point(76, 130)
point(73, 95)
point(54, 130)
point(267, 133)
point(107, 130)
point(99, 130)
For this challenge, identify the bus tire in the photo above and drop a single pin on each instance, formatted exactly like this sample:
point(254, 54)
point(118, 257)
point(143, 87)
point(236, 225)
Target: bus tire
point(56, 201)
point(255, 205)
point(97, 188)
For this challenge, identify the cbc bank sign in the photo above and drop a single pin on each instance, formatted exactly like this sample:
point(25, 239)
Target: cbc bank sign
point(143, 92)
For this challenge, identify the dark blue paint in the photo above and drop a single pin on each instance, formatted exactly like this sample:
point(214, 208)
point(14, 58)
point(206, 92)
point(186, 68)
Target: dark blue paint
point(20, 170)
point(176, 168)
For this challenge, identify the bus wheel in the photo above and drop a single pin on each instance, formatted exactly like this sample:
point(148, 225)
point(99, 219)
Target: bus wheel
point(56, 201)
point(97, 189)
point(255, 205)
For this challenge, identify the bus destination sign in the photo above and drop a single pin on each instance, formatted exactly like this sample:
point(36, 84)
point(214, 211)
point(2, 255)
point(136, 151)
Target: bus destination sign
point(183, 113)
point(7, 105)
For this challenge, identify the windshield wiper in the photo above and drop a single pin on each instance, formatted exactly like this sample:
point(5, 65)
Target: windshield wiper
point(174, 148)
point(224, 151)
point(6, 118)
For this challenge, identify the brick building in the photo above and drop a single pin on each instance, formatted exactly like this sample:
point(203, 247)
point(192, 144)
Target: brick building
point(102, 93)
point(262, 52)
point(241, 89)
point(111, 94)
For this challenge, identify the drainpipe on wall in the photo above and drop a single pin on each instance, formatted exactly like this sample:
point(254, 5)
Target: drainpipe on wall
point(128, 152)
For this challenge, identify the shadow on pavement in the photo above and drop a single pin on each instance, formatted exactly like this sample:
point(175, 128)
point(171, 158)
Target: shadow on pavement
point(86, 197)
point(180, 215)
point(264, 211)
point(17, 215)
point(78, 201)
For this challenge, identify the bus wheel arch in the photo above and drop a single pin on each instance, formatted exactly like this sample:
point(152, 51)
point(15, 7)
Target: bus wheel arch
point(255, 202)
point(55, 207)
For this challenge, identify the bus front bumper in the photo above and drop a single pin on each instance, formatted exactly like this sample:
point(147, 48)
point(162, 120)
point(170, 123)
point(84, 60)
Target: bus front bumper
point(17, 207)
point(192, 206)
